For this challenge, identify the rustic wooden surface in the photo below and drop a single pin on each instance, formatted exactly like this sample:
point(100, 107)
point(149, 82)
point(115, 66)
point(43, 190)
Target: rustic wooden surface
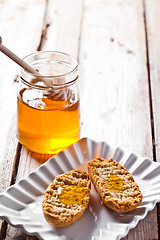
point(117, 44)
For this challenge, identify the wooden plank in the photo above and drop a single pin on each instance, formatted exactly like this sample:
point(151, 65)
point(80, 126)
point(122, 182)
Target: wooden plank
point(64, 25)
point(152, 28)
point(114, 83)
point(152, 20)
point(59, 18)
point(113, 69)
point(18, 21)
point(19, 39)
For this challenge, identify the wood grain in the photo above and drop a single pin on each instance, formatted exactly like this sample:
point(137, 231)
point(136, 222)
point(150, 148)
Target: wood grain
point(114, 83)
point(153, 37)
point(152, 9)
point(63, 19)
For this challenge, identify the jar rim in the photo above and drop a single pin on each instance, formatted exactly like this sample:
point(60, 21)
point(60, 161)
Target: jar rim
point(53, 87)
point(49, 77)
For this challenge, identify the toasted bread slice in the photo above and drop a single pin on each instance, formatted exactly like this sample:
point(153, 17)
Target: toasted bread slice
point(66, 198)
point(115, 185)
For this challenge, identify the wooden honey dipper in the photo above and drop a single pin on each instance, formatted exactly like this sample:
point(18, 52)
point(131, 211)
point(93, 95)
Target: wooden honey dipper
point(16, 59)
point(54, 95)
point(23, 64)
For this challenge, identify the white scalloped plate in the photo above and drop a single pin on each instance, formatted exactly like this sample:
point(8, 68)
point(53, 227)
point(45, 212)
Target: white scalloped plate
point(20, 205)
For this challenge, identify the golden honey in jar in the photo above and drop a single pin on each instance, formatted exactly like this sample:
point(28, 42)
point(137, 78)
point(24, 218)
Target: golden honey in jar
point(48, 106)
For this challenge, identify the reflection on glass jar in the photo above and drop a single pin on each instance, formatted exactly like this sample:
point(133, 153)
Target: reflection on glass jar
point(48, 106)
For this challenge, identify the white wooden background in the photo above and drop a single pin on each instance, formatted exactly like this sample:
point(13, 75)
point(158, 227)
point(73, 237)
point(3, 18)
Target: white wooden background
point(117, 44)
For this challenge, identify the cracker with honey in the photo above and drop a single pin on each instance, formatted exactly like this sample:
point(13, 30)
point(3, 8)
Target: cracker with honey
point(115, 185)
point(66, 198)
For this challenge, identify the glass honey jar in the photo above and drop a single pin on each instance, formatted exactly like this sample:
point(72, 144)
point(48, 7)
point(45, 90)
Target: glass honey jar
point(48, 105)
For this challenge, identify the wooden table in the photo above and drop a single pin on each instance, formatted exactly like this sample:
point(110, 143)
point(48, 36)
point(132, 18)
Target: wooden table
point(117, 44)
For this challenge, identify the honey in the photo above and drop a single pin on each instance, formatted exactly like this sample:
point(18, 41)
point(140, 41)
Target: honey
point(113, 183)
point(46, 125)
point(73, 195)
point(48, 103)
